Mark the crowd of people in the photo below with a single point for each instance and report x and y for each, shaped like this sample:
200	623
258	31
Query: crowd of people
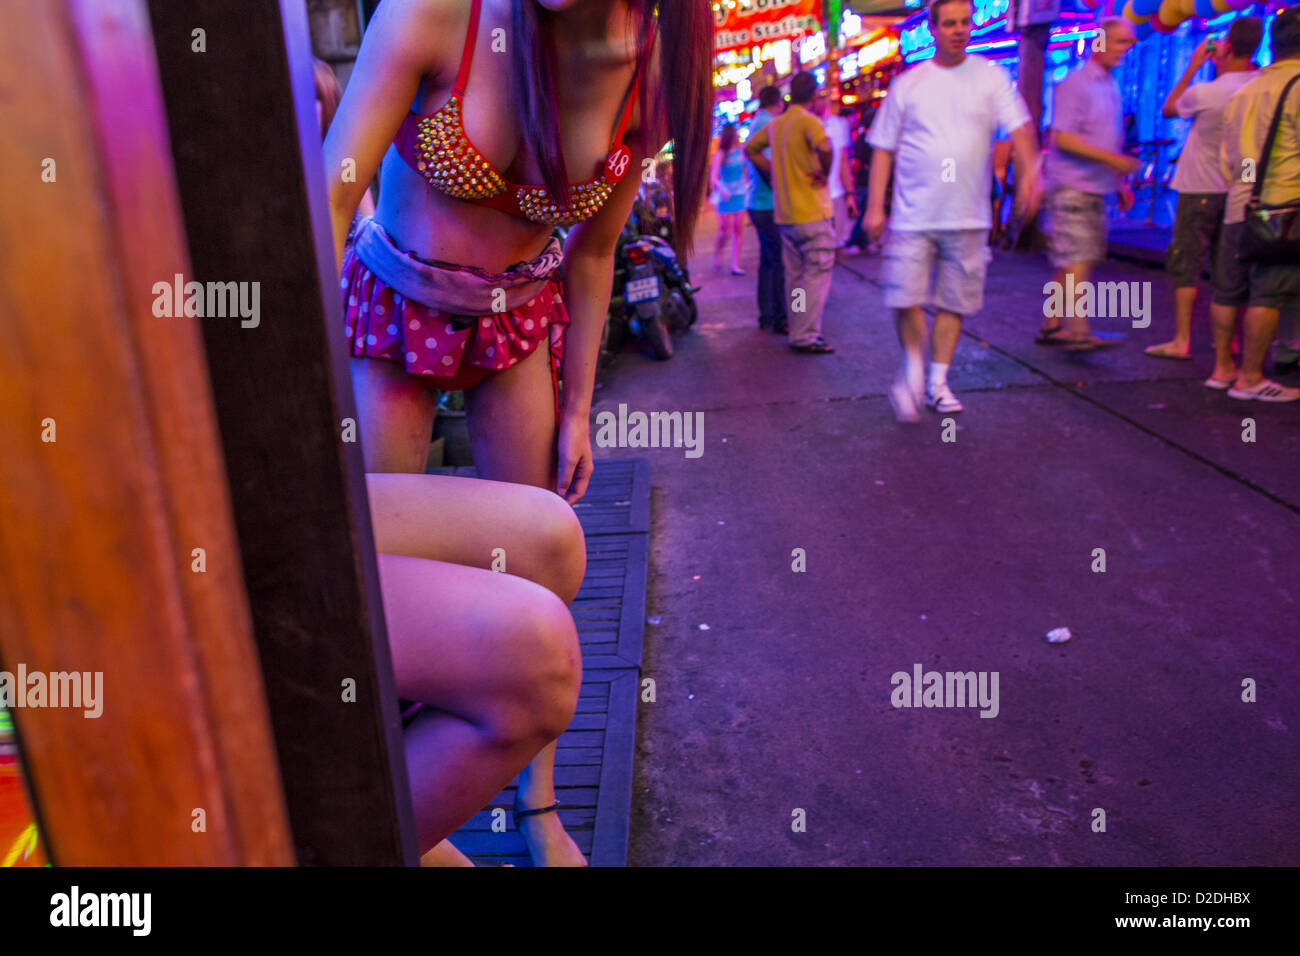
925	173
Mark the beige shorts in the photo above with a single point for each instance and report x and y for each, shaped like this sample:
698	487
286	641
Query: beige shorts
1077	221
958	259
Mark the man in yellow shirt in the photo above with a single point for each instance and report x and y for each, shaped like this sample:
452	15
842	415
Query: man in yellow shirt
798	172
1264	289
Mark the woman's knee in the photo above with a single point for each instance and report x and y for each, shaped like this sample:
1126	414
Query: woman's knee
538	695
556	548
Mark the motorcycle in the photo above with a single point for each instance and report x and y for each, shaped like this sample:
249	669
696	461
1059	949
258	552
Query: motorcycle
652	296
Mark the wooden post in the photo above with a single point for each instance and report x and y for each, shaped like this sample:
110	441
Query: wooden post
240	108
117	550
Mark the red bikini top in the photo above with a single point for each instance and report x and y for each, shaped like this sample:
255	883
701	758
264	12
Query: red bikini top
437	148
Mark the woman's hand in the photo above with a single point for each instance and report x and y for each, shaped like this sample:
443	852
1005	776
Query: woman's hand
575	459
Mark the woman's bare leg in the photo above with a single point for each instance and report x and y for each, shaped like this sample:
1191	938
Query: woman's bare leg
738	232
532	532
512	432
394	416
496	658
465	521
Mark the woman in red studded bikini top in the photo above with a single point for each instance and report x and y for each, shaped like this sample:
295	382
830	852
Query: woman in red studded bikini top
496	120
455	281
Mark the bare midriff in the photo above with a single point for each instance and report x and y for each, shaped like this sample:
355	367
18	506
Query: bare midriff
591	86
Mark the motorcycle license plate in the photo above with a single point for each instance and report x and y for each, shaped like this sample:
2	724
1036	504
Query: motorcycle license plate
642	290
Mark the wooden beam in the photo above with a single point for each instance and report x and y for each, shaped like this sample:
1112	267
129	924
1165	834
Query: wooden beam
249	170
98	525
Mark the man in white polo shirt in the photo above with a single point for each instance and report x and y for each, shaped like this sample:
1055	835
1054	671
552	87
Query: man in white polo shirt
935	133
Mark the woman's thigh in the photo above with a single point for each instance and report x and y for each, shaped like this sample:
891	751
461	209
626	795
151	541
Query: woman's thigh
461	638
512	422
395	416
522	530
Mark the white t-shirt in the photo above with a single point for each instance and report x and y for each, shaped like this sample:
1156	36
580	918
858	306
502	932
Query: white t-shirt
939	122
841	137
1198	164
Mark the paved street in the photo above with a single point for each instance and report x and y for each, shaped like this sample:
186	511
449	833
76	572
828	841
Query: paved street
961	557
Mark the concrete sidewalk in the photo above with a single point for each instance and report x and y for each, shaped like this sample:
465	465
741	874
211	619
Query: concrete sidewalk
773	688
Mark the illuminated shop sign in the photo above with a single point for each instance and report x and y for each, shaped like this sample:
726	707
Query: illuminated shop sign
850	26
740	23
877	50
812	47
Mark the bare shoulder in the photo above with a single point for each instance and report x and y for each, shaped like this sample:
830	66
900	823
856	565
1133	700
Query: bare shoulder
426	35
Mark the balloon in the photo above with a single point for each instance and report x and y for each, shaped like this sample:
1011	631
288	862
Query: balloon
1143	30
1205	8
1220	6
1143	8
1162	25
1132	18
1117	8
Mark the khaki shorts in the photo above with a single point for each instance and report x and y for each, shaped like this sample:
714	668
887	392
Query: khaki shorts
962	257
1077	221
1197	223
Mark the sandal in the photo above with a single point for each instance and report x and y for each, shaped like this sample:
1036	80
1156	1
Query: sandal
1056	336
1164	352
820	347
1090	343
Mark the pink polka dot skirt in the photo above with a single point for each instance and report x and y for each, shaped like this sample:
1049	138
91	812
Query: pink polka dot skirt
454	351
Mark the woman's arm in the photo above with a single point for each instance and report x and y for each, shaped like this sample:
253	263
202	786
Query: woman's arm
715	171
405	41
588	277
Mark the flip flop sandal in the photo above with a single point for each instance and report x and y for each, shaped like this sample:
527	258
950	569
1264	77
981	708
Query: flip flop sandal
1219	385
1092	343
1056	336
1158	351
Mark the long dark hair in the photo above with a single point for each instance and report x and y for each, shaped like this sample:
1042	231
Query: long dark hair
727	138
681	111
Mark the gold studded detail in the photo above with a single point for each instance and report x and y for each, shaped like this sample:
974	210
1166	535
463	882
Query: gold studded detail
448	160
451	164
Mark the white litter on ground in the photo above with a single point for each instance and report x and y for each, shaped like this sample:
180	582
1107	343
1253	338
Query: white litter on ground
1058	635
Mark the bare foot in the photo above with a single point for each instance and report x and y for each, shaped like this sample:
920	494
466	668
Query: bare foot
444	854
548	843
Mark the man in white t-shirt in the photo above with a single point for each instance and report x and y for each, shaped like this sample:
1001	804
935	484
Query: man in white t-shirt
1202	188
935	132
840	179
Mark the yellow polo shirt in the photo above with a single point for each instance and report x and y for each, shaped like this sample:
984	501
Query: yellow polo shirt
794	137
1245	127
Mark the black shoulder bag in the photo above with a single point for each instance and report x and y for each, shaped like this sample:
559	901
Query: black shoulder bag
1272	233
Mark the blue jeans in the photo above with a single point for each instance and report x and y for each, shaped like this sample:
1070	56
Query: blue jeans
858	236
771	271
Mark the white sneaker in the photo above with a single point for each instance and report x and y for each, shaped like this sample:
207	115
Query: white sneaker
1266	391
942	399
906	402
